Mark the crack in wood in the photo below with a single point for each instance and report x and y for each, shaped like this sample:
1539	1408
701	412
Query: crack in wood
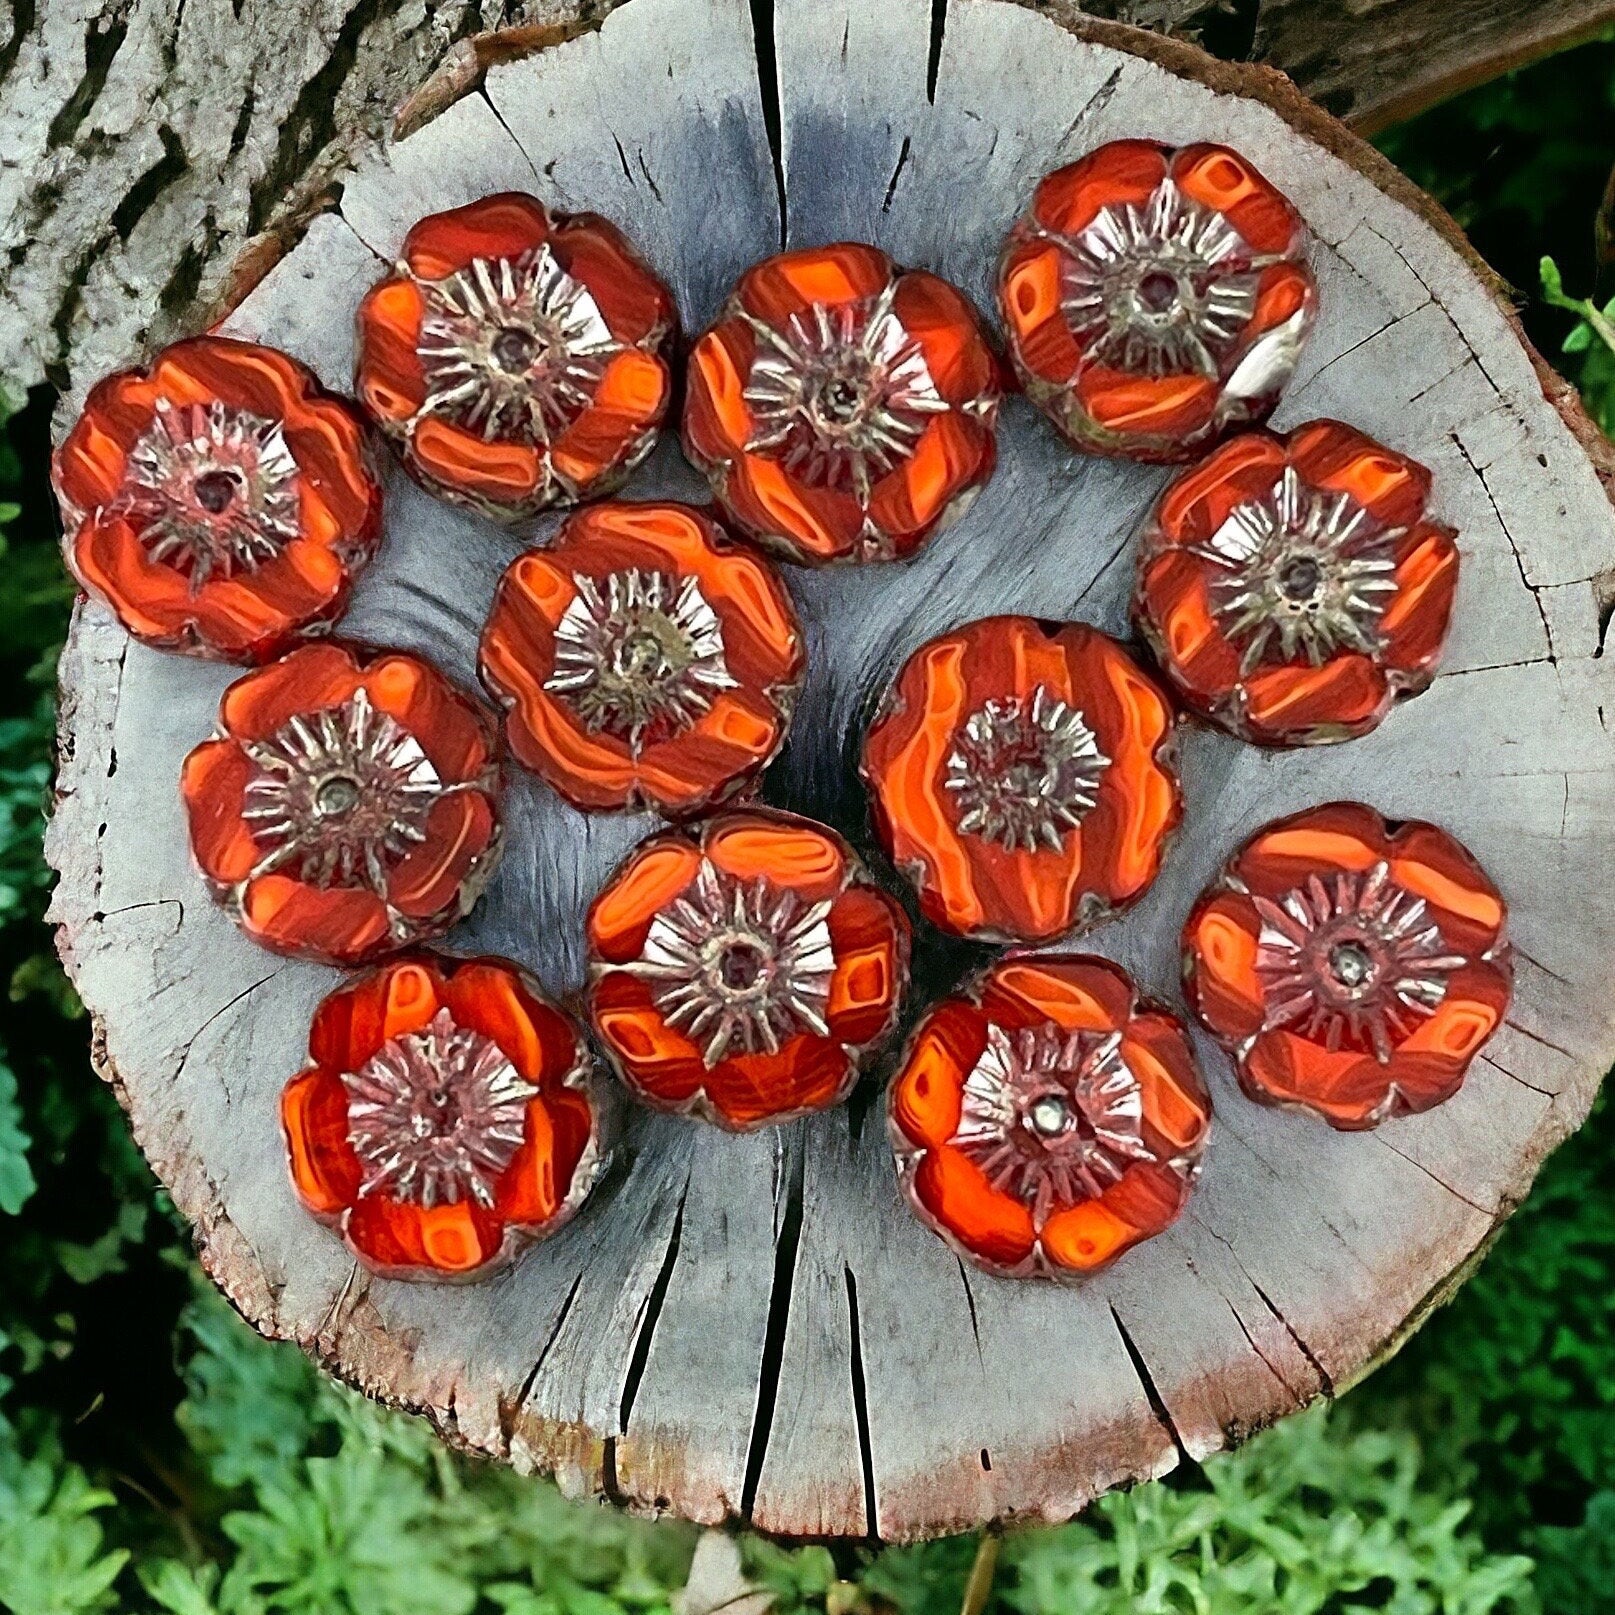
1519	560
902	162
787	1244
1489	1212
860	1407
1267	1362
970	1301
763	46
508	1416
1537	1037
1095	104
933	58
1326	1384
649	1313
1146	1379
1497	1065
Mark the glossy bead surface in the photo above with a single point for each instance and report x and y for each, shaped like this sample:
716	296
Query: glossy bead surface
843	409
348	805
740	969
517	359
1046	1119
1156	298
1021	775
445	1119
1293	589
1351	967
219	501
643	659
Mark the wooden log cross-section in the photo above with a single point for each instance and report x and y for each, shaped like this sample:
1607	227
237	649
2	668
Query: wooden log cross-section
754	1326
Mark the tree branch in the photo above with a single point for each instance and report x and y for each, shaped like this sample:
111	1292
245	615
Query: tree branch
147	144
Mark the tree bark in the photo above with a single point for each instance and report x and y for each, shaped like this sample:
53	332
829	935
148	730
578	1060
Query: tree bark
148	142
755	1327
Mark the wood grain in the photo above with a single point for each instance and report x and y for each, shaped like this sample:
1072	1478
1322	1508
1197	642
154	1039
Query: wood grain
755	1327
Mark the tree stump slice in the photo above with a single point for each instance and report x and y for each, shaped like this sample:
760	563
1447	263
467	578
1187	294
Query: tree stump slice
755	1326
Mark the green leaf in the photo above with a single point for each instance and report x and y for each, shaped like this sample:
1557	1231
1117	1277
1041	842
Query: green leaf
16	1176
180	1588
350	1535
53	1554
1576	1564
1304	1516
250	1407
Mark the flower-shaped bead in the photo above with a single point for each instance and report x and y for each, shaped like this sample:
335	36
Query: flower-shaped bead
519	360
739	969
219	501
1047	1119
843	409
1156	298
347	807
446	1117
643	659
1022	777
1292	588
1350	967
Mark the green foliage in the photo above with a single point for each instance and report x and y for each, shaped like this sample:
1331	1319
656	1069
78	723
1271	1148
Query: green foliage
1319	1516
53	1554
1517	1376
1310	1514
1591	345
317	1503
1521	163
16	1176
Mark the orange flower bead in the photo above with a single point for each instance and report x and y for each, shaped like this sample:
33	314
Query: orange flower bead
446	1117
1156	298
1022	777
1352	968
842	408
1047	1118
519	360
1291	587
643	659
740	969
219	501
347	807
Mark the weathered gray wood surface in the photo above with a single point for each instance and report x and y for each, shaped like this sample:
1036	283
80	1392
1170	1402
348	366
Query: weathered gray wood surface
754	1326
146	141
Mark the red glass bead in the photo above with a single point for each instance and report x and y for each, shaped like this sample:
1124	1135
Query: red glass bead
1047	1118
446	1117
1292	588
1351	967
518	359
348	806
1156	298
643	659
740	968
1022	777
843	409
219	501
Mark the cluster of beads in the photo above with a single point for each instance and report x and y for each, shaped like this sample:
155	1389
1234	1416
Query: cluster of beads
743	963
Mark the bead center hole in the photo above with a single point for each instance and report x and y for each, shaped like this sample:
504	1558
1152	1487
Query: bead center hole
1300	578
641	655
335	796
216	491
1351	964
1049	1115
514	349
741	965
1158	292
839	401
